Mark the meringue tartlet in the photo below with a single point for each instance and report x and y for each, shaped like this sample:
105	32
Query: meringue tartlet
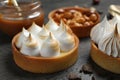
79	19
45	49
105	44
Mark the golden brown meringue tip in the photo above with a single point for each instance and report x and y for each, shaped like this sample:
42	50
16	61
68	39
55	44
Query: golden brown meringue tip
31	42
114	10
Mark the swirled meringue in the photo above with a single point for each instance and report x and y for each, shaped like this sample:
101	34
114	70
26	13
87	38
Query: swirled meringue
98	31
34	29
50	47
107	36
23	36
110	43
31	46
52	25
66	40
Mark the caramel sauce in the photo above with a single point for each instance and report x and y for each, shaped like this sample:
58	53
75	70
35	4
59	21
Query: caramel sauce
12	23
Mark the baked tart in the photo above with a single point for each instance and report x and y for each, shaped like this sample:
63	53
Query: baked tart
79	19
46	49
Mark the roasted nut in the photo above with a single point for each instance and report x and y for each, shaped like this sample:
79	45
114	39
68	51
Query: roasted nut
76	18
76	14
92	10
80	19
64	20
93	17
91	23
68	15
86	17
70	22
57	20
86	24
73	11
78	24
57	16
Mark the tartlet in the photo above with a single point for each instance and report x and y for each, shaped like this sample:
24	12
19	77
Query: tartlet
103	60
105	49
82	24
44	63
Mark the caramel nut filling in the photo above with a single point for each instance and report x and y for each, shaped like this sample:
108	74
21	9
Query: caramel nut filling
75	17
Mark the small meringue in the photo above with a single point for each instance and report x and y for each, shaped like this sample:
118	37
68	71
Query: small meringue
52	25
31	46
44	33
62	26
34	29
24	34
50	47
66	40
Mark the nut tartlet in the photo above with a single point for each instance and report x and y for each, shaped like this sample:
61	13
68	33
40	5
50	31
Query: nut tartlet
45	63
79	19
105	50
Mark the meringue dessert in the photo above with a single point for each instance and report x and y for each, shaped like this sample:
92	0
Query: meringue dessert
79	19
114	10
46	49
105	45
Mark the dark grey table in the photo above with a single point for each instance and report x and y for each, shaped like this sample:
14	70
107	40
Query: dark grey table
9	71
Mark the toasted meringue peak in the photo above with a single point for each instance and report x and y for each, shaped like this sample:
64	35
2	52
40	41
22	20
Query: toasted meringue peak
50	47
44	33
63	26
100	29
52	25
24	34
114	10
31	46
31	42
34	29
61	29
110	44
66	40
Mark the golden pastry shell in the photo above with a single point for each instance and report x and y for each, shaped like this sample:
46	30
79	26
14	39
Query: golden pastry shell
45	65
103	60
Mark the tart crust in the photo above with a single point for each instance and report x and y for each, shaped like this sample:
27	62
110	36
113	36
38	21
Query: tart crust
103	60
45	65
83	31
